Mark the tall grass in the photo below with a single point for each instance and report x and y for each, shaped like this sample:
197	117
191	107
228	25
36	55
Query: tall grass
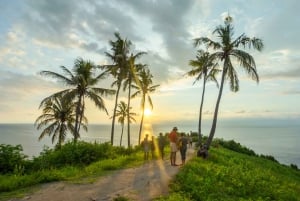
228	175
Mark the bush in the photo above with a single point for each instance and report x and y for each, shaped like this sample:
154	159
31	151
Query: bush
78	154
295	167
11	159
269	157
234	146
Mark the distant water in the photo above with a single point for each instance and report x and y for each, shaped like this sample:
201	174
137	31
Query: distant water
277	138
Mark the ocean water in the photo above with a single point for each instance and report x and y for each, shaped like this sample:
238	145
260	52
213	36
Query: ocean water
279	138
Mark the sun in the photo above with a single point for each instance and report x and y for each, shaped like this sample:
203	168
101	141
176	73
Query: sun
147	112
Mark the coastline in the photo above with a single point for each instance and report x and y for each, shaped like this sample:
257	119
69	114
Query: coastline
267	138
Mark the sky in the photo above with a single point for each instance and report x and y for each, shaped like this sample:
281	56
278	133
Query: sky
38	35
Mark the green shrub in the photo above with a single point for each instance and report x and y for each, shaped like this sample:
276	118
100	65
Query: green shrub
78	154
295	167
235	146
11	159
269	157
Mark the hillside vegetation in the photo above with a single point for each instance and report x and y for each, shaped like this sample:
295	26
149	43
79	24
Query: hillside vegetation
231	172
229	175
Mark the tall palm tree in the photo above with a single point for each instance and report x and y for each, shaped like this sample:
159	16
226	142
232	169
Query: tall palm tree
144	89
58	118
204	67
120	49
121	112
227	50
131	78
82	84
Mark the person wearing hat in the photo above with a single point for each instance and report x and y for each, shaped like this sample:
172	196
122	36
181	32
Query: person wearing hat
173	145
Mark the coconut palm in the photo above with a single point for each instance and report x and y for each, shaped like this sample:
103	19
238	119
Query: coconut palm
120	49
204	67
144	89
57	119
82	84
121	112
131	78
228	50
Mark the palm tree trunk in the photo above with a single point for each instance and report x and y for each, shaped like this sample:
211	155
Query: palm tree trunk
142	120
128	113
200	111
114	115
76	133
214	124
122	134
81	115
141	127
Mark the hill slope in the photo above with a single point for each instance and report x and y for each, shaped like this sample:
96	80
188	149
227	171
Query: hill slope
228	175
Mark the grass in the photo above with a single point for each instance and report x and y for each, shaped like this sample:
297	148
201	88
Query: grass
228	175
18	185
225	175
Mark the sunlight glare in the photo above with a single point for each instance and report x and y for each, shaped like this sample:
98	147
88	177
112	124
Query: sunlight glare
147	112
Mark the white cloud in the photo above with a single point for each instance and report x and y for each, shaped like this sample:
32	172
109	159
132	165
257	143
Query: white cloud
44	35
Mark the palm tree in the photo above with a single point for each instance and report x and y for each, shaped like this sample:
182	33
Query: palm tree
59	117
132	77
226	50
121	112
81	82
144	89
119	56
204	67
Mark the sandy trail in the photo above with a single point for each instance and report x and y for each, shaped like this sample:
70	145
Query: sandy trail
144	183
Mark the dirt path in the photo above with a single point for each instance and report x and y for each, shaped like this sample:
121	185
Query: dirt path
140	183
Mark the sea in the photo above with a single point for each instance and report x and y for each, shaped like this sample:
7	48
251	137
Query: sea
279	138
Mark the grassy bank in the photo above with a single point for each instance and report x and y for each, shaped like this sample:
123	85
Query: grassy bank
229	175
81	162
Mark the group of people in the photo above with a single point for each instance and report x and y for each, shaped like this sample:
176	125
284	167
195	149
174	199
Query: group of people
177	142
148	146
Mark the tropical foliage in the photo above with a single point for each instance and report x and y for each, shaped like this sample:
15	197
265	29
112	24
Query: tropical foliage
82	83
119	56
227	51
121	113
58	118
144	89
204	67
12	160
123	70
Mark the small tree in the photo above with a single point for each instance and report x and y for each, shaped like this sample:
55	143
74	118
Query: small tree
121	112
204	67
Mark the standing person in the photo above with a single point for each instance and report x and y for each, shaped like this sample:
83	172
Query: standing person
161	145
173	145
183	141
146	147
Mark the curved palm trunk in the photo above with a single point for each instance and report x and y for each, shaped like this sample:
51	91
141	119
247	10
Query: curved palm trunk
114	115
60	138
81	115
142	120
200	111
122	134
214	124
76	131
128	113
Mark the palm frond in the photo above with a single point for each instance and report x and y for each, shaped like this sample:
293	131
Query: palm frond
207	42
247	62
